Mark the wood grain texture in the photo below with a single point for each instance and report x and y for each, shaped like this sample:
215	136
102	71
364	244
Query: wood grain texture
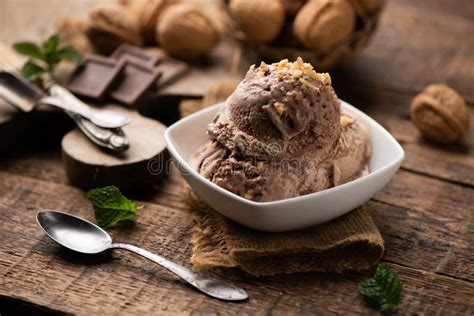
127	284
425	214
88	166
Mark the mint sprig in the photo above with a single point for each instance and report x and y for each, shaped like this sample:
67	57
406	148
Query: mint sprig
382	291
43	59
111	207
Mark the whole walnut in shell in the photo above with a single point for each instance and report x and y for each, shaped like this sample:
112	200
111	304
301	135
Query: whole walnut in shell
150	13
440	114
323	24
110	26
188	31
260	20
293	6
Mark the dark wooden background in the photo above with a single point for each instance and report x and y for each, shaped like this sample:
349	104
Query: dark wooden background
425	214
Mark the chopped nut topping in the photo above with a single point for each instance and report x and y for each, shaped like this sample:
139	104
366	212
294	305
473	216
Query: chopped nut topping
324	78
305	83
280	108
346	121
263	69
283	63
297	69
248	195
297	74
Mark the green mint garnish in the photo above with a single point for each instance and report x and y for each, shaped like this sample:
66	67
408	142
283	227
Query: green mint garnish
44	59
383	290
111	207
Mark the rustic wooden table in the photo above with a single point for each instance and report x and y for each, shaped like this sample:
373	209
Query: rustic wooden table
425	214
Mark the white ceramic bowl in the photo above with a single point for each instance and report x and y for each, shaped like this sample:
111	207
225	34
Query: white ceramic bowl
185	136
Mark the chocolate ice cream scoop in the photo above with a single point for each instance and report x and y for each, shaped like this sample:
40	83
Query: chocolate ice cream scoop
281	135
280	109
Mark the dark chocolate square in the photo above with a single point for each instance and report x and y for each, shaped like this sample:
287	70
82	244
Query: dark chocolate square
95	77
129	52
171	69
137	79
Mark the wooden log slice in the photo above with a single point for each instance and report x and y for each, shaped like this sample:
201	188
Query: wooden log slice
143	164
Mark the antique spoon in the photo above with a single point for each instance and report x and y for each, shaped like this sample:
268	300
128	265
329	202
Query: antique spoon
85	237
25	96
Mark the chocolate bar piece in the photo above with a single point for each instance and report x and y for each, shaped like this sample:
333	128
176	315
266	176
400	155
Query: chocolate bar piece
137	79
95	77
171	70
129	52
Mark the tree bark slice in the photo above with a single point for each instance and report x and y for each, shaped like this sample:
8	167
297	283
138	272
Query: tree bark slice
143	164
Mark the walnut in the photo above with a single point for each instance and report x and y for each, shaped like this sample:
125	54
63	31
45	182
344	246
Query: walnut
346	121
188	31
149	17
260	20
110	26
440	114
293	6
133	7
323	24
72	32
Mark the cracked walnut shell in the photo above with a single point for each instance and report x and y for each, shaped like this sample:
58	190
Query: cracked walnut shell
188	31
440	114
259	20
150	15
110	26
323	24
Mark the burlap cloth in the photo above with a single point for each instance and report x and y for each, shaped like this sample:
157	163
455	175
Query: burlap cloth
350	242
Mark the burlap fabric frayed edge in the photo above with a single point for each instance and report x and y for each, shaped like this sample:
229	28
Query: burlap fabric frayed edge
351	242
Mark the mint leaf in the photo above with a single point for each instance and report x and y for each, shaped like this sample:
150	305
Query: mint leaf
51	44
32	71
68	52
111	207
383	290
48	55
52	59
28	49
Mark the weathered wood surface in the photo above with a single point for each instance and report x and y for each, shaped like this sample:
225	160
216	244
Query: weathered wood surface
425	214
440	264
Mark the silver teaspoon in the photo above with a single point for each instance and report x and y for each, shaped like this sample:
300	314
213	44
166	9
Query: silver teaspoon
25	96
85	237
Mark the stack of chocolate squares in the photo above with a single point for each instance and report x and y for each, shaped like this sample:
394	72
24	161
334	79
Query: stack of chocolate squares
125	76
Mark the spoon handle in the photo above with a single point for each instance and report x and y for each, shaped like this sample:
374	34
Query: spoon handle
211	286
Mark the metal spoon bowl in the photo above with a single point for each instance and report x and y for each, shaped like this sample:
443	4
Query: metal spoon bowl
85	237
25	96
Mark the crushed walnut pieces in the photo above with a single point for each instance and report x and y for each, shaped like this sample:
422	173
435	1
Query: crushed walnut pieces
346	121
298	70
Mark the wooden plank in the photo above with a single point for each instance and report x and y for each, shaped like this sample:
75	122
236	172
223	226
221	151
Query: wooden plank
426	223
425	240
122	283
410	190
392	109
417	44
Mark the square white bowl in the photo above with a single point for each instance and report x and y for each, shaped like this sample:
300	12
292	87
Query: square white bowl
186	136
